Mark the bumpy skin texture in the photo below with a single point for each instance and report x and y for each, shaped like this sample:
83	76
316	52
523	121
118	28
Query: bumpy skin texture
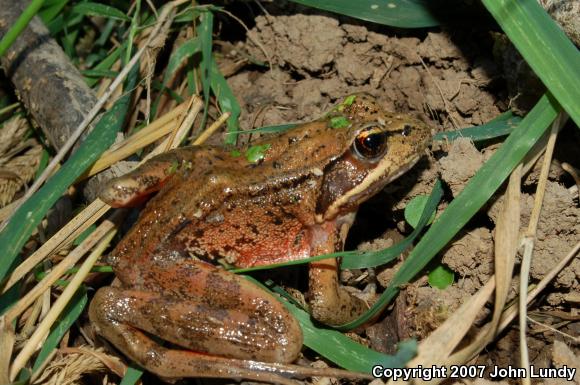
296	201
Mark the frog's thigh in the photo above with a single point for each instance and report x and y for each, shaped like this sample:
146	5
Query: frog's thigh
196	325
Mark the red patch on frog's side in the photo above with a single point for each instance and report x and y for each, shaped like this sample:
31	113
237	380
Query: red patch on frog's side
249	236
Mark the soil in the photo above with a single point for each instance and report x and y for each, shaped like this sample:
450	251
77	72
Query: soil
450	79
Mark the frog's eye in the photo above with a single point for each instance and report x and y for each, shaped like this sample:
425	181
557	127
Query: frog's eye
370	143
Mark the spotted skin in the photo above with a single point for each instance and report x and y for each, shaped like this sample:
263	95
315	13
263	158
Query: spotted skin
214	204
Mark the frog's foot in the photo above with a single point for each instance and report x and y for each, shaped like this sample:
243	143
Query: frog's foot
330	303
133	188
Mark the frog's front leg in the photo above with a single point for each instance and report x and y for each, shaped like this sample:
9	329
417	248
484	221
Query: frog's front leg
226	322
131	189
329	302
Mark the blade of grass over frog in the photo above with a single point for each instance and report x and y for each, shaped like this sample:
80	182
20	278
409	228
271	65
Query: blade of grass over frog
377	258
345	352
502	125
475	194
70	314
337	347
396	13
19	25
226	100
205	33
132	375
102	10
29	215
546	48
360	259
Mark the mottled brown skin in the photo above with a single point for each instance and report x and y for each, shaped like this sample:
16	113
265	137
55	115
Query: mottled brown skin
298	201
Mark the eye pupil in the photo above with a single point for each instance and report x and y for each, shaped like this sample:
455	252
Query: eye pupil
406	130
370	143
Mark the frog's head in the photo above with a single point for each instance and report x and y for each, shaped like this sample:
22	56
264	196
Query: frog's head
378	146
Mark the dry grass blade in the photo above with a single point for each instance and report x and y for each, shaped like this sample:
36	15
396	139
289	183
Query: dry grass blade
58	271
529	240
165	19
439	346
44	327
72	365
506	246
510	313
7	339
436	348
211	129
19	158
144	137
63	237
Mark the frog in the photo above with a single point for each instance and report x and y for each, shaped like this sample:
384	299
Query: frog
177	312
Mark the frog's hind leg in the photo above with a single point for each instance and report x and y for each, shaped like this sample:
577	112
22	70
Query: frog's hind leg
176	363
216	314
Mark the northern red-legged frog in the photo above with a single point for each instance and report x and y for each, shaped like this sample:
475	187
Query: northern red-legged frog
283	198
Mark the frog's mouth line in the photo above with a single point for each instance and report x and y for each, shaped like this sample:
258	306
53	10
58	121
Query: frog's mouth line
374	183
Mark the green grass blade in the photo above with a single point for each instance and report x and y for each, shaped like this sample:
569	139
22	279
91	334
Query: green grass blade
205	33
181	54
337	347
475	194
70	314
98	9
377	258
50	9
104	65
133	28
19	25
132	375
396	13
502	125
552	56
345	352
226	100
178	57
96	73
29	215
